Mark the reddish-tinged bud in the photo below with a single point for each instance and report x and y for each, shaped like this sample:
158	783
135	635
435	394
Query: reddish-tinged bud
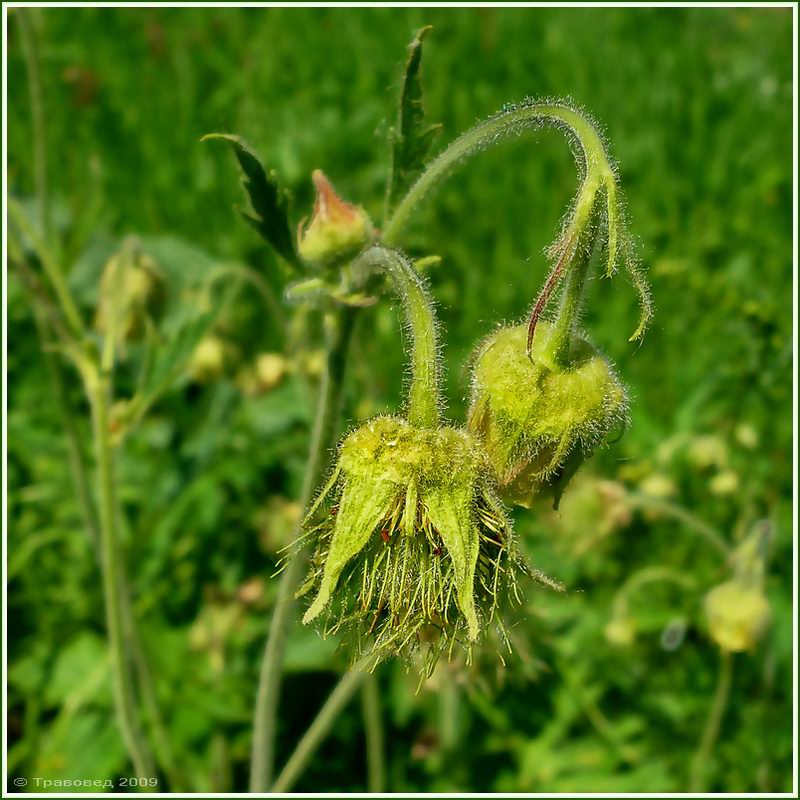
337	228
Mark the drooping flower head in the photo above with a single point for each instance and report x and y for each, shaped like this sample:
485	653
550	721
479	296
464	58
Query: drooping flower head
737	610
543	398
411	544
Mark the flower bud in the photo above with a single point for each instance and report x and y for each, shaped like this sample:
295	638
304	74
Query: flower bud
540	420
413	547
208	360
131	287
337	229
620	631
737	615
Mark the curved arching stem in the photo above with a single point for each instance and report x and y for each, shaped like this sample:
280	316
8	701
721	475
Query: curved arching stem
598	184
590	156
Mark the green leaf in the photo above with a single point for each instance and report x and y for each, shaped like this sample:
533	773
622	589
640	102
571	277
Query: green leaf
270	202
171	358
412	137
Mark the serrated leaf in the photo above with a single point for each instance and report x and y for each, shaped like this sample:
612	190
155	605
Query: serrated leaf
412	137
269	202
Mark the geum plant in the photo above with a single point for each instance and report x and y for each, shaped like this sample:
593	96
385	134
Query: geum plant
407	547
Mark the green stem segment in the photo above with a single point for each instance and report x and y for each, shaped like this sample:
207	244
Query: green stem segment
557	349
424	399
51	268
373	734
323	439
702	756
645	576
686	518
36	97
348	684
99	390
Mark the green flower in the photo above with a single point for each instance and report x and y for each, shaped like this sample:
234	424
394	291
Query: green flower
540	419
411	547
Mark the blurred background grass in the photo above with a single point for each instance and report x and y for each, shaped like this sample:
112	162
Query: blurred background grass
696	104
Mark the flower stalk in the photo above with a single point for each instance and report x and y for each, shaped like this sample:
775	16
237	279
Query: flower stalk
424	395
597	203
98	386
323	438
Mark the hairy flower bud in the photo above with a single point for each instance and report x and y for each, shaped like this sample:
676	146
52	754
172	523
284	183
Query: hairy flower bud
337	229
413	547
539	420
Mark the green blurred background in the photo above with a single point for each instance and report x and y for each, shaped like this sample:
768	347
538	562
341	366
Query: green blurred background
696	105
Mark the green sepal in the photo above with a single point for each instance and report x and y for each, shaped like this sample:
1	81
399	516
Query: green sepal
270	203
451	513
315	290
363	505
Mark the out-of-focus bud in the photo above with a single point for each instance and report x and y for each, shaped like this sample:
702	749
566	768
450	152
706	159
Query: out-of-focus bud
737	615
337	229
725	483
208	360
738	611
709	451
539	421
747	436
277	522
592	511
270	369
659	486
620	631
131	288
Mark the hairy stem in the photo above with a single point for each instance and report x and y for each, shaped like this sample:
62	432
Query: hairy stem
507	124
702	755
99	391
598	184
348	684
373	733
323	439
557	349
424	398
